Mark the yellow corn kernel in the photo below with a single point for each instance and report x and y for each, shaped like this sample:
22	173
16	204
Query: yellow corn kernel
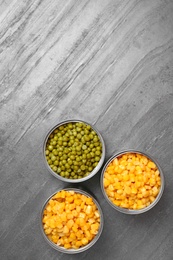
155	191
124	205
138	169
97	214
115	161
48	208
70	223
132	177
127	190
152	198
106	182
79	234
117	186
121	168
120	191
140	206
126	177
89	201
111	187
151	165
72	236
134	206
88	209
117	202
152	181
65	230
110	193
67	245
139	196
134	190
48	231
84	241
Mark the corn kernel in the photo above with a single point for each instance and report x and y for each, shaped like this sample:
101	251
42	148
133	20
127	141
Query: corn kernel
151	165
84	241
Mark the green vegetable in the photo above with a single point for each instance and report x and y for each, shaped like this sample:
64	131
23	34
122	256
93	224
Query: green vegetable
73	150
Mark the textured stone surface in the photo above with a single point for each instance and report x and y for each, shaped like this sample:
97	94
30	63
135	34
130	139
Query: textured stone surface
104	61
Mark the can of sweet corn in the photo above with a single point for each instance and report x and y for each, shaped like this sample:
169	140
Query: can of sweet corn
71	220
132	181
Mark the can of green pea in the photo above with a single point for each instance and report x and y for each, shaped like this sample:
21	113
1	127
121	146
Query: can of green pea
73	151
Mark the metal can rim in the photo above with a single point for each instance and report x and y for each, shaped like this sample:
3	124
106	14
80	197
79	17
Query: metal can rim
131	211
95	170
92	242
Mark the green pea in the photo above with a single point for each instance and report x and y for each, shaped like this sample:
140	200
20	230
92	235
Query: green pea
72	157
55	152
82	132
47	152
76	163
83	167
58	170
83	141
67	174
54	168
79	136
88	156
62	174
90	168
78	148
75	133
70	162
53	158
91	145
50	147
87	138
98	152
86	131
84	147
91	136
60	142
76	167
55	138
49	161
92	154
70	126
63	161
65	138
78	129
56	162
67	166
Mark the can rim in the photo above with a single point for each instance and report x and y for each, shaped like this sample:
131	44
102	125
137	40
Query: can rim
131	211
95	170
92	242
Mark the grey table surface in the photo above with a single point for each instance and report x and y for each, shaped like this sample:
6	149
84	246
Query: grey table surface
110	63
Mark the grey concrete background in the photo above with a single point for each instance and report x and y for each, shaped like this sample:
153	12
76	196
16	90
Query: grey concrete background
109	63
